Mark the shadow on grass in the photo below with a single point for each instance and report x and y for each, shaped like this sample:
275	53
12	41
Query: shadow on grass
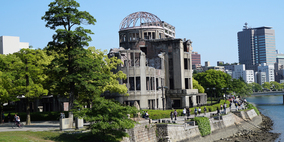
80	137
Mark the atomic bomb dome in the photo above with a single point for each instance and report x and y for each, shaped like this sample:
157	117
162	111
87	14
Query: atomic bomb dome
143	26
139	19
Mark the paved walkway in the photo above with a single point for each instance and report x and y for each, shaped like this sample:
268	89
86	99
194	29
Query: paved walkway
54	125
35	126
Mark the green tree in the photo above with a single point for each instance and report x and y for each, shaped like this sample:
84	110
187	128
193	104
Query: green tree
196	85
241	88
256	87
275	85
29	81
109	117
68	42
266	85
214	79
9	67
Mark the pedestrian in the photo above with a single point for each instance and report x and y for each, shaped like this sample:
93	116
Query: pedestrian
184	112
172	115
188	112
230	105
199	110
225	106
195	111
175	114
9	117
218	111
221	107
236	104
205	110
147	115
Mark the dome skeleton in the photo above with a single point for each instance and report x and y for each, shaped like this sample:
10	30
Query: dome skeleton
132	19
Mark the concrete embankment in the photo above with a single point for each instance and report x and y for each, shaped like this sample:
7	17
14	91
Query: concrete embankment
227	126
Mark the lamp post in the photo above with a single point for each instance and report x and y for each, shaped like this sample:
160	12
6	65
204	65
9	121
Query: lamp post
162	87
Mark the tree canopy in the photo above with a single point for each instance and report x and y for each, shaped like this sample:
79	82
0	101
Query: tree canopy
69	43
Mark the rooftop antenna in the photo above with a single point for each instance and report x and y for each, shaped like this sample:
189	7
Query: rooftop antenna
246	25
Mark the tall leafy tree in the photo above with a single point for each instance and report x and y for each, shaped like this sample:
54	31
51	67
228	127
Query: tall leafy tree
275	85
29	82
9	68
109	117
68	42
196	85
213	79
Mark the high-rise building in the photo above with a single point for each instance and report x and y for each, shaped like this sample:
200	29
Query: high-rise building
256	46
195	58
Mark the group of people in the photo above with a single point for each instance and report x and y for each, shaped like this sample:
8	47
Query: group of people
186	112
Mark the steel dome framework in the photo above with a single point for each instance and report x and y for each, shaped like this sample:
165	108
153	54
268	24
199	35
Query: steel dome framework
143	17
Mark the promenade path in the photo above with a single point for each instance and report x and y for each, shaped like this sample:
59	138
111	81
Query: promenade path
35	126
54	125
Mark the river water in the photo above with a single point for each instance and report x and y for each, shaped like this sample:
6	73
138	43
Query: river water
271	106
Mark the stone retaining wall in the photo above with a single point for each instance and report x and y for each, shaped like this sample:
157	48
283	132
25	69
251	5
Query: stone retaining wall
227	126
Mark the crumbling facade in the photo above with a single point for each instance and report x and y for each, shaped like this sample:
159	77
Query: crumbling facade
158	66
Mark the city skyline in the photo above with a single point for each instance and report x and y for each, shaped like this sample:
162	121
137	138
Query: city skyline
211	26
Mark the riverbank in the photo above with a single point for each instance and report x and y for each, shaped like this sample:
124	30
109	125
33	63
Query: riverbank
260	135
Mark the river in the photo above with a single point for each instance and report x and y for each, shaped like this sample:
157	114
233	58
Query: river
271	106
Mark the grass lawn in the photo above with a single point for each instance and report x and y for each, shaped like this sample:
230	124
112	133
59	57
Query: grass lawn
44	136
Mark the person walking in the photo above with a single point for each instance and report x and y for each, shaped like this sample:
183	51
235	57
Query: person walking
188	112
172	115
175	114
195	111
230	105
184	112
225	106
199	110
221	107
218	111
205	110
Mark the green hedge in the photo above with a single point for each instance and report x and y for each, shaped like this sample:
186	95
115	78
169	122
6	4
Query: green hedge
158	114
38	116
251	106
203	125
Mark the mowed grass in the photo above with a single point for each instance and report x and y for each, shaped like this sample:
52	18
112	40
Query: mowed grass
43	136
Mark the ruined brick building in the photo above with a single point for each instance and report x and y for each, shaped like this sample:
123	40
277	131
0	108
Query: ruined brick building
158	65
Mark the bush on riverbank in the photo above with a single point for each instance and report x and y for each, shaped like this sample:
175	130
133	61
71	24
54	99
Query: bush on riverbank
203	125
251	106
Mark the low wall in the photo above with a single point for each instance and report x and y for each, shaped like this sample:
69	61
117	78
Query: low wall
226	127
143	132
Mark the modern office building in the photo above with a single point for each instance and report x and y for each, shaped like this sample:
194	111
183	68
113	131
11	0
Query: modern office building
256	46
269	71
11	44
239	71
158	65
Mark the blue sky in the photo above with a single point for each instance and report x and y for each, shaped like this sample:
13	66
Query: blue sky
212	26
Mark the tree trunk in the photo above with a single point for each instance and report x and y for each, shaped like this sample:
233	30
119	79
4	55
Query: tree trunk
1	109
28	120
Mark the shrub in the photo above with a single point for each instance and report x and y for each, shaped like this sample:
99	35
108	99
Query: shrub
203	125
251	106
